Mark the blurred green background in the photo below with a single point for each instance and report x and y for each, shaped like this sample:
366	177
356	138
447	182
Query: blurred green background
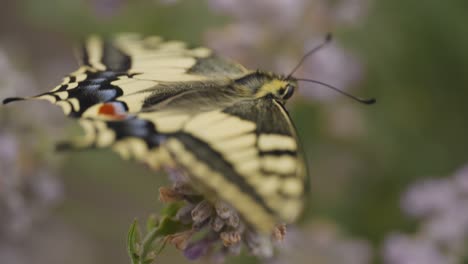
412	57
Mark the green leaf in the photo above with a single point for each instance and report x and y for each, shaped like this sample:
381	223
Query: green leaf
132	240
152	222
169	226
157	229
171	209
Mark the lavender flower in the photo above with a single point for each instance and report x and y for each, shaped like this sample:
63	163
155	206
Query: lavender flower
401	249
107	8
222	230
442	206
429	197
350	12
29	186
197	250
461	180
322	243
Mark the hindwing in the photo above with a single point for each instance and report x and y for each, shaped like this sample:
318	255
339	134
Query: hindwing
238	155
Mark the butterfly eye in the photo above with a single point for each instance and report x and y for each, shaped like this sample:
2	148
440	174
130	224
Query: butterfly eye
287	92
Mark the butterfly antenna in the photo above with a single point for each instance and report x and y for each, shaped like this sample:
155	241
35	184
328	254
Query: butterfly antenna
328	39
360	100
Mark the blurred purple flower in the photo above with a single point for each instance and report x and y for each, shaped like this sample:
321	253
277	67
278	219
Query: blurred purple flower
29	186
461	180
266	11
322	243
26	194
442	206
222	229
449	227
199	248
107	8
351	12
429	197
401	249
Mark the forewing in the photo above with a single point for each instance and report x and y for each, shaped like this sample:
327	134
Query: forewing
133	72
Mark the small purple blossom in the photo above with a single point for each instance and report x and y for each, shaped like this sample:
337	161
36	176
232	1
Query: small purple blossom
199	248
442	206
323	243
401	249
222	229
107	8
429	197
351	12
461	180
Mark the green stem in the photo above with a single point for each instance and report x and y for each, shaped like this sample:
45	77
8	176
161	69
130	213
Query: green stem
131	241
146	245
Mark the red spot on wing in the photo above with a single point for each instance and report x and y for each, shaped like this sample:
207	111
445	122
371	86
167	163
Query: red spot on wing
111	110
107	109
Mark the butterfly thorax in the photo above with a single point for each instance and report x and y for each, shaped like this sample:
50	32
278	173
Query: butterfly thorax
261	84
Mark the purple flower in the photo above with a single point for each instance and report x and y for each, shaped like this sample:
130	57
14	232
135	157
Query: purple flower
321	242
198	249
442	206
461	180
429	197
401	249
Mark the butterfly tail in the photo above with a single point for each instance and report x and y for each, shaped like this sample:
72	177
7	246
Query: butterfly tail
13	99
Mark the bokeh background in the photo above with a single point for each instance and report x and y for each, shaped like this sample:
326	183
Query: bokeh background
389	183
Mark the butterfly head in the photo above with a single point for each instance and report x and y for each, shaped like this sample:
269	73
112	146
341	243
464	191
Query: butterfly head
281	88
261	84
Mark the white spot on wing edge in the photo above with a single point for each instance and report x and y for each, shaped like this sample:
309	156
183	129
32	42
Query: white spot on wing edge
66	107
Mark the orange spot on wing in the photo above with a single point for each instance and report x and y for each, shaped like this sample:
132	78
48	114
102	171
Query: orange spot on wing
110	110
107	109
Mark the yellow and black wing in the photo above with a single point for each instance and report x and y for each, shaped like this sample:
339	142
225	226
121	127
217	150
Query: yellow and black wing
168	105
136	72
246	154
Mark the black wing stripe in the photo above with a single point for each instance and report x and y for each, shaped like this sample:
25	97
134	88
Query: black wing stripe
216	162
84	54
114	59
278	153
137	128
96	50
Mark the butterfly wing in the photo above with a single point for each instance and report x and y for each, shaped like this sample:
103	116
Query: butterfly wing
133	72
167	105
248	155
